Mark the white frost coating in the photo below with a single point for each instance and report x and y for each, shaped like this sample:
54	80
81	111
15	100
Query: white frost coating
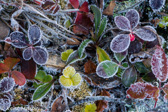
43	51
122	23
121	56
150	27
25	53
153	4
133	17
120	43
109	64
6	84
5	104
40	36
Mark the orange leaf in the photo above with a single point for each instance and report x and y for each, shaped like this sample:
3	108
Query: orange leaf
18	77
90	67
8	64
58	105
110	8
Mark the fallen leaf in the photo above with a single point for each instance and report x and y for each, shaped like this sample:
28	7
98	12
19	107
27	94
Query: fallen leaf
19	78
109	10
69	42
19	102
102	104
4	30
58	105
90	67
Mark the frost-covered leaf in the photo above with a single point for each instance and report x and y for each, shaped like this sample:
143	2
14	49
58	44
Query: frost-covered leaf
165	89
58	105
74	3
6	84
18	39
120	56
27	53
90	107
65	54
34	34
5	101
84	7
129	76
97	16
82	47
8	64
41	76
90	67
146	34
141	67
156	5
102	26
42	90
107	69
122	23
40	55
73	57
133	17
18	77
120	43
159	64
28	68
149	77
142	90
101	54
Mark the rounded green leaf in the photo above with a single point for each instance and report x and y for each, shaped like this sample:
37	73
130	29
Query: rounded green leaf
65	54
120	56
41	76
42	90
107	69
76	79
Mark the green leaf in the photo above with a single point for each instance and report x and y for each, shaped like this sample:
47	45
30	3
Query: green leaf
102	26
73	57
36	85
122	69
42	91
129	76
141	67
107	69
82	47
67	23
102	55
149	77
65	54
41	76
97	16
120	56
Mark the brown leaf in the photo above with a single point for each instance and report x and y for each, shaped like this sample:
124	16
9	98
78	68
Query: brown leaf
58	105
110	8
90	67
4	30
19	102
77	42
101	104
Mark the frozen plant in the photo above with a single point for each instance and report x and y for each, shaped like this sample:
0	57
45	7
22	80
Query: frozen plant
128	23
38	53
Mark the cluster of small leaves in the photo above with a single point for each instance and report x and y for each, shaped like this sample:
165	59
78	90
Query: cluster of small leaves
128	23
18	40
159	68
6	85
70	78
44	86
90	108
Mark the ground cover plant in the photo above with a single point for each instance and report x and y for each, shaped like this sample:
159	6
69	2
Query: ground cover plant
83	55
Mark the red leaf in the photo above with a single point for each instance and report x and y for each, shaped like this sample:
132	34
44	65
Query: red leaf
8	64
159	64
84	7
19	78
143	90
90	67
28	68
83	23
74	3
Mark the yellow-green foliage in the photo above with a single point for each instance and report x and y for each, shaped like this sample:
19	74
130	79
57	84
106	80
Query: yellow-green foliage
65	54
90	108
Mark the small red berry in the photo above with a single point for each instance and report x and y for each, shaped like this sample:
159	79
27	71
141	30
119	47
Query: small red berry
132	37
